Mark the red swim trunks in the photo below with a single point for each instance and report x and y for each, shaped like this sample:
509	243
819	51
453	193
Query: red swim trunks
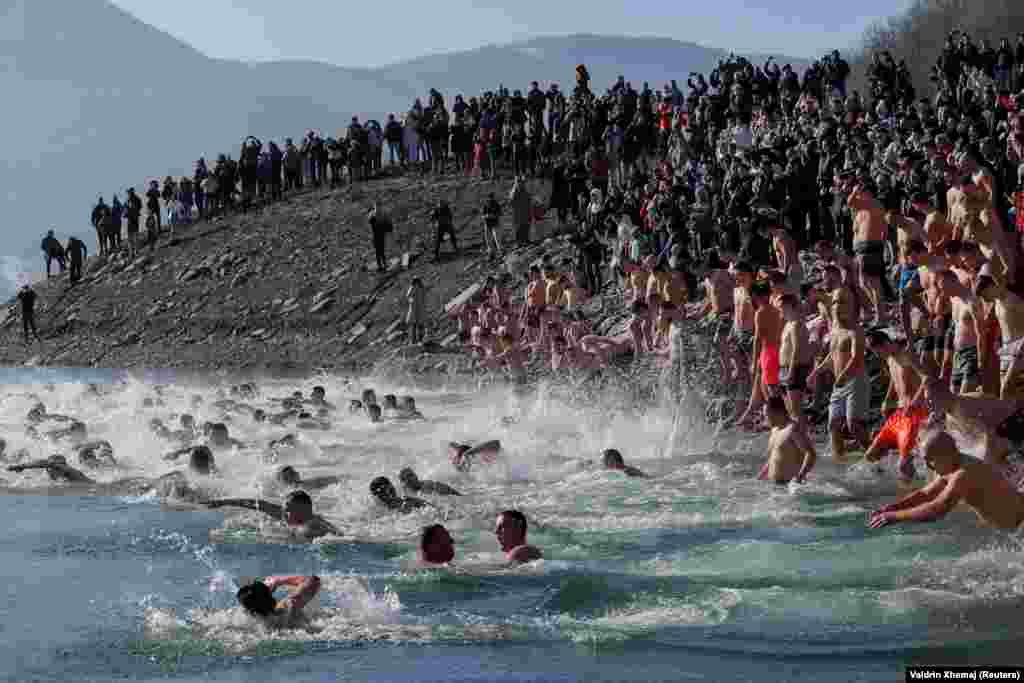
900	431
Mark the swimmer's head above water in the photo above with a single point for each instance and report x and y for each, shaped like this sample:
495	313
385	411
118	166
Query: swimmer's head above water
318	395
298	508
200	460
288	475
257	599
409	479
355	406
373	411
390	402
369	396
384	491
612	459
436	545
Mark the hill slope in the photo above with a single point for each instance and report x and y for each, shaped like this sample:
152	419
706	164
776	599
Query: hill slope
290	286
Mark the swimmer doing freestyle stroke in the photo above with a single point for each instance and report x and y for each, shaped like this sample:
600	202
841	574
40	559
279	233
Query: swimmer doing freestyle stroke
296	514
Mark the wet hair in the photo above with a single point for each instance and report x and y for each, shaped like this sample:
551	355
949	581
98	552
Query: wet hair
383	490
298	499
305	415
516	515
373	411
776	404
288	475
257	599
369	396
200	459
390	401
319	391
611	458
427	534
409	479
219	430
355	405
409	403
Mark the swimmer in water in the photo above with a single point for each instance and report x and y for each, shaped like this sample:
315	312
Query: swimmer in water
436	546
217	436
984	488
96	454
318	398
791	454
463	456
511	532
289	476
200	458
611	459
355	406
296	513
390	406
384	491
413	483
369	396
373	413
407	409
258	599
57	468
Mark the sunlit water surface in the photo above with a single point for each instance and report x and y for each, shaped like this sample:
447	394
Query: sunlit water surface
697	573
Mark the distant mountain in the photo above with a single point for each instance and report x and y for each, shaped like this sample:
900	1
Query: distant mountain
96	100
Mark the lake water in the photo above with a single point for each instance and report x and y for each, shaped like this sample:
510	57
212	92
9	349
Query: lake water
700	573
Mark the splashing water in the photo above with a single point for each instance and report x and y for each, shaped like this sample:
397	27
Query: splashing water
699	555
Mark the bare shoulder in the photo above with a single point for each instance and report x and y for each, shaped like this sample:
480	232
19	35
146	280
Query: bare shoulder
525	553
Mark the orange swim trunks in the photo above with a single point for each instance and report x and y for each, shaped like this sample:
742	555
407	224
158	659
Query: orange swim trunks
901	429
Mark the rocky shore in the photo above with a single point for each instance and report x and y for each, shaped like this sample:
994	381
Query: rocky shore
290	287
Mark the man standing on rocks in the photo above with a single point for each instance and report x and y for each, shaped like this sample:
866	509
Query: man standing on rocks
492	216
77	253
27	299
133	210
54	252
521	200
442	216
381	225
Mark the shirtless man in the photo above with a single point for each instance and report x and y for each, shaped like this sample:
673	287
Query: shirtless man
509	354
791	454
413	483
765	355
968	331
611	459
851	392
717	311
796	358
906	383
787	256
384	492
258	599
463	456
1009	311
740	344
511	532
633	339
869	234
289	476
296	514
931	346
937	228
961	478
566	357
996	244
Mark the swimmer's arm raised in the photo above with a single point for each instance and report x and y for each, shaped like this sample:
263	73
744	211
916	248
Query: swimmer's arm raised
250	504
309	586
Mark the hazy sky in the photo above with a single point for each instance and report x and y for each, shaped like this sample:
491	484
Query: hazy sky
363	33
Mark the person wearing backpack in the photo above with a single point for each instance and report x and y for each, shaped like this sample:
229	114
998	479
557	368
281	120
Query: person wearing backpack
380	225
